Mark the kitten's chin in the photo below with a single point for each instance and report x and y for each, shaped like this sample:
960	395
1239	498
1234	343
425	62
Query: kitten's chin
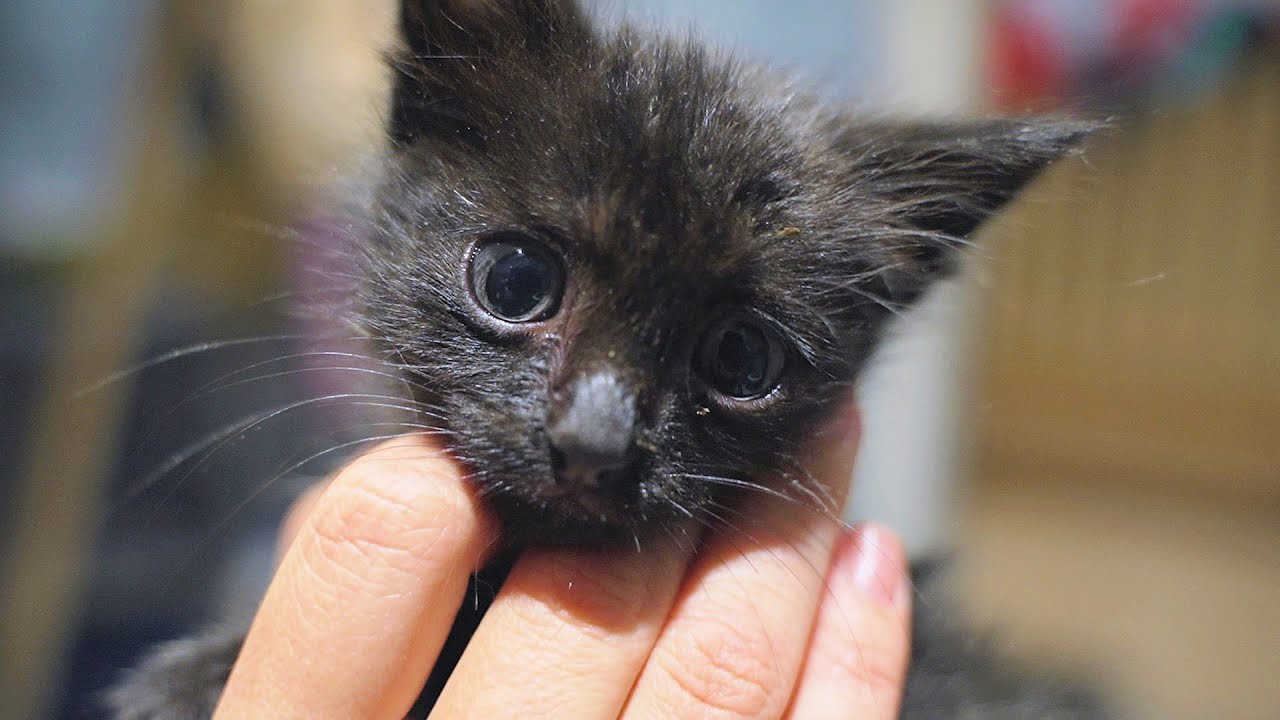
583	519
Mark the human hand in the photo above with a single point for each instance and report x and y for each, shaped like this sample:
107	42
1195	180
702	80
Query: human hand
786	614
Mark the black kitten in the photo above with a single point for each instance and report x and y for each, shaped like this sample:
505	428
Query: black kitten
626	274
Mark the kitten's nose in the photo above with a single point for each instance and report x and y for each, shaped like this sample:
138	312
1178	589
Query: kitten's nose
590	427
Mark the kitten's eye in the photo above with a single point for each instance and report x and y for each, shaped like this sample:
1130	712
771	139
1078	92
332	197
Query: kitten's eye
741	358
517	280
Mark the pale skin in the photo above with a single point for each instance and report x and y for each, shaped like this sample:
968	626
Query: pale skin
791	616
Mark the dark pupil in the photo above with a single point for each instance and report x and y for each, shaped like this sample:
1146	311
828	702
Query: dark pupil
741	361
518	283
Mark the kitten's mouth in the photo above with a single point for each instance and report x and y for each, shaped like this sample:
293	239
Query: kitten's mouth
571	508
590	491
591	502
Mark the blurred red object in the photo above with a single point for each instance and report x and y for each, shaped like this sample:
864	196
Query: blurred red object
1027	65
1043	53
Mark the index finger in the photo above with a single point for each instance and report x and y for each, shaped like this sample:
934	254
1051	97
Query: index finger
366	593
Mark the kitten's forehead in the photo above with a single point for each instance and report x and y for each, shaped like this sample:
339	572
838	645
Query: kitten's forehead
661	159
670	185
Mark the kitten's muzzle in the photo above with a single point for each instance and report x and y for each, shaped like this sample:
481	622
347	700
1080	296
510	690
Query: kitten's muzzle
590	427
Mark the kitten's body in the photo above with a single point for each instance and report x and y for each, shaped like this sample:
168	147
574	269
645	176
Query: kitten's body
725	251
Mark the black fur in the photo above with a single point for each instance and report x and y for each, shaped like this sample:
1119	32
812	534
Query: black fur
180	680
678	185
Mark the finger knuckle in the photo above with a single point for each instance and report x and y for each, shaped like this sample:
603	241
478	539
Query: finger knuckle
389	517
876	668
725	666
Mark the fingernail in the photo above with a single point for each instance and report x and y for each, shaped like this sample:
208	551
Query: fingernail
879	566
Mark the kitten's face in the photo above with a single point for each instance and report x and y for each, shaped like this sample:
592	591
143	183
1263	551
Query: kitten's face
627	276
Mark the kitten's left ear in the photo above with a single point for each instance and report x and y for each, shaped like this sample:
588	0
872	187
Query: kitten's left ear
941	180
463	60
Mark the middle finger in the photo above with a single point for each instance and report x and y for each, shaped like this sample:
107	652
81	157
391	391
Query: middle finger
567	634
738	633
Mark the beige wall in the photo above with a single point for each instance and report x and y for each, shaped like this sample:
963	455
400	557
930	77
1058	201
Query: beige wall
1124	512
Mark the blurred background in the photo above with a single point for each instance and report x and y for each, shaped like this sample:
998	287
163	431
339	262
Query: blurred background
1088	420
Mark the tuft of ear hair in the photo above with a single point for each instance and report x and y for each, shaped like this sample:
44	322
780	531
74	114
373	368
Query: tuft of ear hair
452	48
939	181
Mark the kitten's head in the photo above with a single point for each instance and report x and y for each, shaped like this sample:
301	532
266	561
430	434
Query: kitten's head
628	274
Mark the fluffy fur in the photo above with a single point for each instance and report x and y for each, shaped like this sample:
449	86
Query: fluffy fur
679	186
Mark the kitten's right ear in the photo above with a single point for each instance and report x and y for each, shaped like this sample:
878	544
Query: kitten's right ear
939	181
460	59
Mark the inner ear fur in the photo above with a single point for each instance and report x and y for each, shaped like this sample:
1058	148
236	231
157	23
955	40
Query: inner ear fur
940	181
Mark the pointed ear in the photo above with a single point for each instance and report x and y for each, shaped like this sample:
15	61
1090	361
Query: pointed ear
460	56
940	181
949	177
